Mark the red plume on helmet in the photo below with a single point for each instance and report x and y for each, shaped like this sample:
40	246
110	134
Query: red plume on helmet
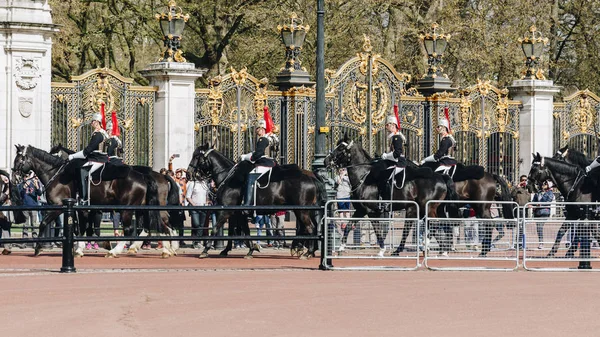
447	116
103	115
268	120
115	125
397	115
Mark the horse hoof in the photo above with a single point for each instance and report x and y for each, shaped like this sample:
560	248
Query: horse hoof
131	251
304	257
37	252
165	255
223	253
249	257
256	247
6	252
78	255
173	252
203	255
395	253
110	255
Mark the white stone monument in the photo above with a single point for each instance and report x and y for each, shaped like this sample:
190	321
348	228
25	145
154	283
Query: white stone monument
536	133
174	111
25	107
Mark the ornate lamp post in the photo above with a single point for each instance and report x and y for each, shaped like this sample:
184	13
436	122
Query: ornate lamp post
435	45
533	44
292	36
172	23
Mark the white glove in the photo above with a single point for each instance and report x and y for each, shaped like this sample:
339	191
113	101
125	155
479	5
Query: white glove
422	161
387	156
70	157
429	159
246	156
588	169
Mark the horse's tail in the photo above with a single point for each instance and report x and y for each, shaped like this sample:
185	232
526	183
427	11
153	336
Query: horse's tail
153	216
507	209
173	200
451	208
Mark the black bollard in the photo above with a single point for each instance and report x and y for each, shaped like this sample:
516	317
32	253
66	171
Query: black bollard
68	260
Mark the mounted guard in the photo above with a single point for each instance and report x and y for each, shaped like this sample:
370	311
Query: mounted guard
114	146
263	163
395	162
447	145
94	152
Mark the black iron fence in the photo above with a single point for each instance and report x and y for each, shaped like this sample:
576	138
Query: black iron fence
70	221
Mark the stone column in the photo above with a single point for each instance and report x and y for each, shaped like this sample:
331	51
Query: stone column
26	32
536	130
174	111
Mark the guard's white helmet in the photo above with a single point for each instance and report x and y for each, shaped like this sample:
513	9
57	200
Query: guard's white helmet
391	119
444	122
96	117
261	124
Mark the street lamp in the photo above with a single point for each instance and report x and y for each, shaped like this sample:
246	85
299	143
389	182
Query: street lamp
172	23
533	44
435	45
293	37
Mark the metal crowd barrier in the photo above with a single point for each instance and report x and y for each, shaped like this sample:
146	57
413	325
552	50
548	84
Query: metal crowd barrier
70	221
460	243
363	251
557	244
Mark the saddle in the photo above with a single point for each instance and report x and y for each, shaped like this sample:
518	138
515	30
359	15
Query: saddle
280	173
463	172
114	169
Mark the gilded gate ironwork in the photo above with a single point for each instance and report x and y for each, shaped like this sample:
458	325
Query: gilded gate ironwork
366	88
74	103
485	124
576	122
227	112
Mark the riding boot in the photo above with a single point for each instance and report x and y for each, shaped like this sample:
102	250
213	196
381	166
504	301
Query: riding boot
85	172
249	199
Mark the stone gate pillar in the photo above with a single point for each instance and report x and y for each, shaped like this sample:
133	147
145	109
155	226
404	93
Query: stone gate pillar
174	111
25	105
536	120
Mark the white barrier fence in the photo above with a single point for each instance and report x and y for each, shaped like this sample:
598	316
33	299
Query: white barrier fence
371	243
567	241
472	243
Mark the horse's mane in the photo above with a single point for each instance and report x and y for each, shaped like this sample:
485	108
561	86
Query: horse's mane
45	156
578	158
562	167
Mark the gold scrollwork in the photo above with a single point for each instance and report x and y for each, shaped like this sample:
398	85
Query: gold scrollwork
410	117
60	97
239	77
128	123
502	116
583	116
102	92
465	112
484	87
566	134
260	97
76	122
366	56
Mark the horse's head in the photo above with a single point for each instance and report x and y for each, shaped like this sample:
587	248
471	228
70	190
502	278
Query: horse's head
22	163
199	167
538	173
340	156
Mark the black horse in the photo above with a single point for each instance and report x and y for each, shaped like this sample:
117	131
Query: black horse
420	186
571	181
285	185
474	184
168	193
57	176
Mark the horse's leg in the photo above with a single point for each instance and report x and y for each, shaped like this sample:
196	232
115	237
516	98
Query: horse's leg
411	213
230	232
48	218
485	227
561	232
309	229
126	217
251	245
222	217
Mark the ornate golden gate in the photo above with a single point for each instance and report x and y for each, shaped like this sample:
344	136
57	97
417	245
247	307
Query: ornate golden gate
366	88
227	112
485	125
74	103
576	123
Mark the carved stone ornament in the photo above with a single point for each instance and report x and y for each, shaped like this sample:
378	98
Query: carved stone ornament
25	106
27	73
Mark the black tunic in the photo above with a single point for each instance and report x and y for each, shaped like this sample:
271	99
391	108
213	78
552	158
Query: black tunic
397	149
92	151
443	153
258	156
